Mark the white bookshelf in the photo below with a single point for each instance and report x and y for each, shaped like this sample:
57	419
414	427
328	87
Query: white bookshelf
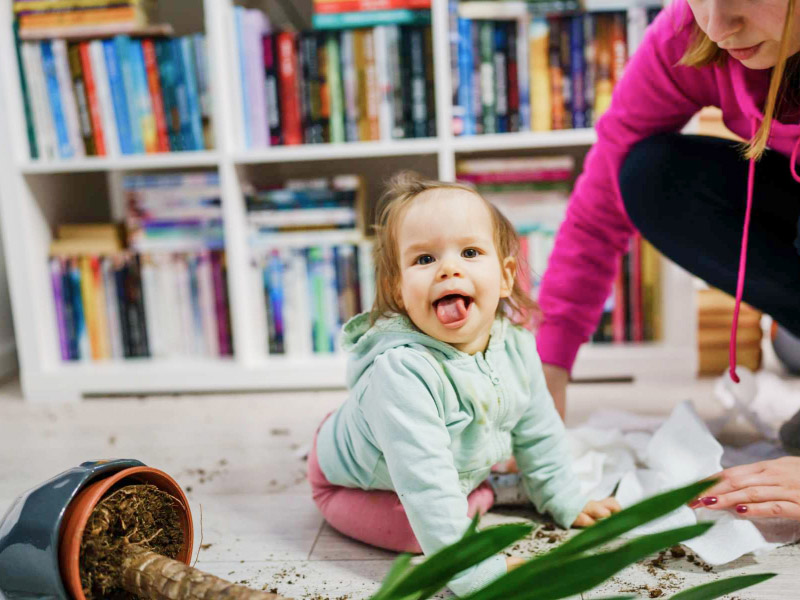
34	195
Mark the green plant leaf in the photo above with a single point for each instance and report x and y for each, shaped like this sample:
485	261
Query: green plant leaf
628	519
570	575
715	589
439	568
399	568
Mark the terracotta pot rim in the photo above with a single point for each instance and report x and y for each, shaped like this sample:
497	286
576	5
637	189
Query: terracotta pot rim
77	516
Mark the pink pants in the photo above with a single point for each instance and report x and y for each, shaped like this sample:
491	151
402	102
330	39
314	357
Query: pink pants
375	517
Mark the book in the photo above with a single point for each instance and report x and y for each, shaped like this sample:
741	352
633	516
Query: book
43	116
123	56
156	96
339	6
194	124
354	20
65	149
488	100
83	76
33	146
540	77
289	89
143	100
108	118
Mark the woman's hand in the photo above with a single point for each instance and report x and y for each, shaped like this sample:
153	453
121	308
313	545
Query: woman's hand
596	510
557	379
765	489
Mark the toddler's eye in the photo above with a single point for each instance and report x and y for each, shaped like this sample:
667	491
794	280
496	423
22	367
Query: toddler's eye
425	259
470	253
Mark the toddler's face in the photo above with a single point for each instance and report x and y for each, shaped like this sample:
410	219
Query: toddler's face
452	279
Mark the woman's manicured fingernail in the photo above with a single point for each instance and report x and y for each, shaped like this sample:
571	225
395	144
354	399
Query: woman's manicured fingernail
741	509
709	500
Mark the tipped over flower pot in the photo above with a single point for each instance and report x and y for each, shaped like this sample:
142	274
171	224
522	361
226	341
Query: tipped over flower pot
106	529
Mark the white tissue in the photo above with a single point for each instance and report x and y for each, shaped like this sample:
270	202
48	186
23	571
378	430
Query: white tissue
620	448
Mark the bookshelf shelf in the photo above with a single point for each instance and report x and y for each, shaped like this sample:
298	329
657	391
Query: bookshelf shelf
317	152
30	207
141	162
526	140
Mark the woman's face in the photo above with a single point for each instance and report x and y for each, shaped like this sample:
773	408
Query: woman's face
749	30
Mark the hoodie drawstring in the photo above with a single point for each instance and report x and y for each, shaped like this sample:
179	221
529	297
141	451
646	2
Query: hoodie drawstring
743	257
792	165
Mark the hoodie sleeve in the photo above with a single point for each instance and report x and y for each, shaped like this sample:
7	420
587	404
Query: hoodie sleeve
541	448
655	95
402	408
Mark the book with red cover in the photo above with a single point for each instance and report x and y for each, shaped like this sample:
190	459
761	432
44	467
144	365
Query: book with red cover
618	313
289	90
635	292
151	68
94	101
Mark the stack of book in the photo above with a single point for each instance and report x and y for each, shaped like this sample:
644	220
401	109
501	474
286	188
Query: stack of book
532	192
65	17
312	268
339	85
175	212
115	96
165	294
714	318
540	66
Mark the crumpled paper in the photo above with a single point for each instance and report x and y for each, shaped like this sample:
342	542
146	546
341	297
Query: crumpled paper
643	456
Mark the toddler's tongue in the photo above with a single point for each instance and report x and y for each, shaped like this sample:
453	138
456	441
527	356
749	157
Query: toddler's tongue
451	309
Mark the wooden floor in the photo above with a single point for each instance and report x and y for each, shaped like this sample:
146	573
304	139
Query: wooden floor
239	457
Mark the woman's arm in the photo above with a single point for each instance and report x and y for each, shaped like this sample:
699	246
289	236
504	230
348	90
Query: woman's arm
654	96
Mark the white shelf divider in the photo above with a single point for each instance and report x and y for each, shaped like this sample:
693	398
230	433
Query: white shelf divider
26	232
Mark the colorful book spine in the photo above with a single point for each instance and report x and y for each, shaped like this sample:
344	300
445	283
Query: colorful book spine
108	118
33	146
465	68
334	77
289	89
488	99
167	73
501	89
578	72
65	149
144	103
255	26
339	6
43	116
417	83
273	97
195	125
355	20
67	95
82	99
524	74
512	79
239	23
58	299
349	86
156	96
84	66
125	66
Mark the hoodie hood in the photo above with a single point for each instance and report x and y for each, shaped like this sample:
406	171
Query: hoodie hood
364	342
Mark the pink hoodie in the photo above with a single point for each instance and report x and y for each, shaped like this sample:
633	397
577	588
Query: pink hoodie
654	96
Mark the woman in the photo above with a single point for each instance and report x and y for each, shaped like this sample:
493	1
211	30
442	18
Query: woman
701	201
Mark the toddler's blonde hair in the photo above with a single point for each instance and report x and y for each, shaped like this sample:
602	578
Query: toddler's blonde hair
400	192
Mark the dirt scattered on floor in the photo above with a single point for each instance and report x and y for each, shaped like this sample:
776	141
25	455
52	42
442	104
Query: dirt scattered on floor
279	431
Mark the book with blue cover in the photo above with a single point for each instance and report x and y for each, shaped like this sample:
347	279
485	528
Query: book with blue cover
144	105
167	76
59	118
192	93
122	49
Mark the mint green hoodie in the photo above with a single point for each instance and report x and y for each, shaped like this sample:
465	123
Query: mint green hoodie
428	421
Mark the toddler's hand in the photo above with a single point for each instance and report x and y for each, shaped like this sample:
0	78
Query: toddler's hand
596	510
512	562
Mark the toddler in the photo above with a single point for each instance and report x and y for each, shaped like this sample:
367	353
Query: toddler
442	386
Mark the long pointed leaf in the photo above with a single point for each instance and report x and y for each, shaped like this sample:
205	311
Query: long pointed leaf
715	589
628	519
399	568
573	575
441	567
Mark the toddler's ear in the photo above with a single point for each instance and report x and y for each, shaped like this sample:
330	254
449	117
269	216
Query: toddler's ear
508	272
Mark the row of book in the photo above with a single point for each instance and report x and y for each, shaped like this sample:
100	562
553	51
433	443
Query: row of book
173	212
67	15
532	192
152	305
514	71
371	83
306	205
308	292
352	6
115	96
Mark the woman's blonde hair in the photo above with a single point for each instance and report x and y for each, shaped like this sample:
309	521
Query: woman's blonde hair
400	192
702	51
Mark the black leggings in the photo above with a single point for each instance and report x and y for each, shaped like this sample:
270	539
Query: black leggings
687	195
